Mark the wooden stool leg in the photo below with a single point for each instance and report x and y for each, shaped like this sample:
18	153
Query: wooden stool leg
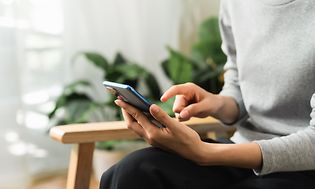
80	167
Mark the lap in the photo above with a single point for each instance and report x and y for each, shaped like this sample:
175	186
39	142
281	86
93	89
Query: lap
155	168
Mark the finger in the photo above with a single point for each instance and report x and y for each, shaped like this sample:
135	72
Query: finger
136	127
162	116
185	114
188	112
133	124
181	119
127	117
179	104
177	116
135	113
175	90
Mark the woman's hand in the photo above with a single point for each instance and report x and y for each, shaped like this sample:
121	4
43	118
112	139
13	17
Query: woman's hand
193	101
176	137
184	141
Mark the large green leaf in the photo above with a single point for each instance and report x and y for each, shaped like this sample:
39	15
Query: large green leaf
205	65
60	102
164	65
98	60
209	30
118	72
72	87
69	93
64	100
77	111
209	42
209	78
119	59
178	67
129	71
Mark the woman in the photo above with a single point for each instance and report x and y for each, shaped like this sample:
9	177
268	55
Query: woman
269	86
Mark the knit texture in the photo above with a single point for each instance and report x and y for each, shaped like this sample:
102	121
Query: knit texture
270	73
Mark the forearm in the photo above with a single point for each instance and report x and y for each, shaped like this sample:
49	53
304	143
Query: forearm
235	155
294	152
227	109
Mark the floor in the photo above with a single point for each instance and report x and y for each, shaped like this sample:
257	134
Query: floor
58	182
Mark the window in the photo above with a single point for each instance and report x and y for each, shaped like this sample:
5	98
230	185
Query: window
32	73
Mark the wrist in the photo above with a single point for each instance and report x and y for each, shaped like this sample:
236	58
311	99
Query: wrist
227	109
219	105
208	154
235	155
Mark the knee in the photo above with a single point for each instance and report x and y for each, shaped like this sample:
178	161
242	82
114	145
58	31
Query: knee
134	168
136	161
106	178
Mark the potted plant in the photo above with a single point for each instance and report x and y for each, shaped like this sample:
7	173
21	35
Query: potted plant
204	66
75	104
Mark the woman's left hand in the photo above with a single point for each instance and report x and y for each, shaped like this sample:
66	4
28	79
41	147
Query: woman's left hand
175	137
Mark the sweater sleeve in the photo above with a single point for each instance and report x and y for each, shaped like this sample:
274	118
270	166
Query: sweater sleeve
231	86
293	152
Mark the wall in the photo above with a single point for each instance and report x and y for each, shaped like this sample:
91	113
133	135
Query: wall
139	29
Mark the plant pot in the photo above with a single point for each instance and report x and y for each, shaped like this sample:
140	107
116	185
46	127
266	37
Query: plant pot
104	159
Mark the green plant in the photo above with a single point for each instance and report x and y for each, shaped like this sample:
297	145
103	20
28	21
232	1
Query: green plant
204	66
75	105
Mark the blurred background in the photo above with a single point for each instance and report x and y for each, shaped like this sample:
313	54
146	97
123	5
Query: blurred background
54	55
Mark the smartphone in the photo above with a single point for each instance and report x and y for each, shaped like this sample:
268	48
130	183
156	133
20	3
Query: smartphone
132	97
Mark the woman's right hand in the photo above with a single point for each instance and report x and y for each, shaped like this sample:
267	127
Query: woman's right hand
192	101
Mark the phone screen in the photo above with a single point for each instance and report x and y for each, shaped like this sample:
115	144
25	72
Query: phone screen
128	94
132	97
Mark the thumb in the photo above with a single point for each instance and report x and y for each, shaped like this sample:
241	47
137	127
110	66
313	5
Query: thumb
161	116
188	112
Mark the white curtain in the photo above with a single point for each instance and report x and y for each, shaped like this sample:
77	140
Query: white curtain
140	29
30	50
13	167
193	13
38	38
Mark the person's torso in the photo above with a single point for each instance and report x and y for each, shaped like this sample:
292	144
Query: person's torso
275	45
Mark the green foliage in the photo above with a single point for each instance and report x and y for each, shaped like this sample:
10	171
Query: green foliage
108	145
205	65
178	67
75	105
97	59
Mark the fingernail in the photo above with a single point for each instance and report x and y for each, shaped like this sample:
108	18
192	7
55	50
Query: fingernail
177	115
155	108
184	114
116	102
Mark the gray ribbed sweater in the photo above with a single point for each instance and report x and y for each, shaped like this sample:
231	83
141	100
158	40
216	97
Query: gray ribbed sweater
271	73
